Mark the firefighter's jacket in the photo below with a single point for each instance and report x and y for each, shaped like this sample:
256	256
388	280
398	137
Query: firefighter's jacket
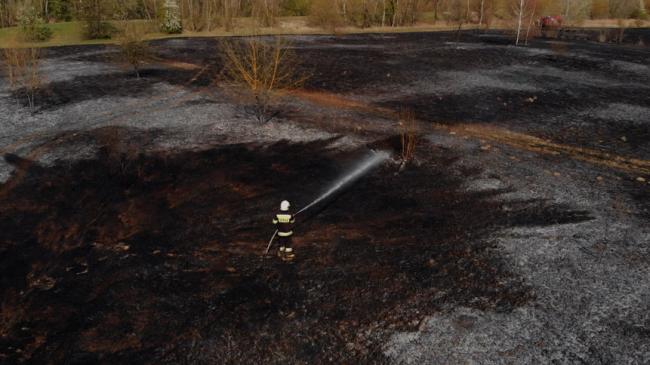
284	221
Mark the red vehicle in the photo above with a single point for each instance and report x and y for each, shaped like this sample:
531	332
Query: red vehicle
550	22
550	26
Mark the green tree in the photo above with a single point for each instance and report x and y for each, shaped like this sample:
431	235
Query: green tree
61	9
295	7
95	14
171	18
32	26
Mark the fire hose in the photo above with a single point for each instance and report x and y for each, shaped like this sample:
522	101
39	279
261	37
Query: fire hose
361	169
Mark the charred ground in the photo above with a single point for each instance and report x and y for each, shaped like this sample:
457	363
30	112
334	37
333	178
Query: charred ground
114	258
134	252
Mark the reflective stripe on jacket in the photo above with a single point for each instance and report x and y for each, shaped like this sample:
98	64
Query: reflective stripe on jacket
285	222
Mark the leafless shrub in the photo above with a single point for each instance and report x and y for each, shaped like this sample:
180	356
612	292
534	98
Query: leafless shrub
523	11
22	67
207	15
457	14
621	30
407	126
265	12
121	150
261	68
322	14
134	50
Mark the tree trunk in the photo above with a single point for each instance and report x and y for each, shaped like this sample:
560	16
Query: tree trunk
395	10
435	10
530	21
566	12
480	19
227	15
521	13
642	8
146	12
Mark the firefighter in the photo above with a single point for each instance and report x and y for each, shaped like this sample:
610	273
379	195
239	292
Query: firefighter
284	221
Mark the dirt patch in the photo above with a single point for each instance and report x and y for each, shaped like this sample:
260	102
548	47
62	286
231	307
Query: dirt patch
496	134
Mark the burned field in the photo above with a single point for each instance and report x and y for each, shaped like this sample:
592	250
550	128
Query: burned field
167	248
134	213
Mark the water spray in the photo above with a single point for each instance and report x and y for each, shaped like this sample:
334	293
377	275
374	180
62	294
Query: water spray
358	171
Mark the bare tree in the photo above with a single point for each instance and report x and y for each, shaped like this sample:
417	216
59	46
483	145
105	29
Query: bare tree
482	12
622	26
456	13
9	12
22	67
134	50
230	9
206	15
265	12
531	16
261	67
520	13
523	10
407	127
323	14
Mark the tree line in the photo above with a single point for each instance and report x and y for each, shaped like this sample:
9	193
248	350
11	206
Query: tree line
205	15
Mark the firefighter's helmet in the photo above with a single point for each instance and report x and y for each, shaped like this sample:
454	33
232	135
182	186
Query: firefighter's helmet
284	206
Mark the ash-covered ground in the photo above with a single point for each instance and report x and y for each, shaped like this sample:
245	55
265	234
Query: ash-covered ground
134	212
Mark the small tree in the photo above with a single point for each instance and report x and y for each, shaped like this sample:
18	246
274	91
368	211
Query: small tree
95	14
407	127
531	17
457	13
32	26
622	26
265	12
171	19
22	67
523	12
134	50
230	10
323	14
481	14
261	68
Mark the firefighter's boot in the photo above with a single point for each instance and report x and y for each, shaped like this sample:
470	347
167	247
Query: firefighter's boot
288	255
281	251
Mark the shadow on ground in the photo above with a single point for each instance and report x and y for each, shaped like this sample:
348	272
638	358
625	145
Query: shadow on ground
156	258
57	94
